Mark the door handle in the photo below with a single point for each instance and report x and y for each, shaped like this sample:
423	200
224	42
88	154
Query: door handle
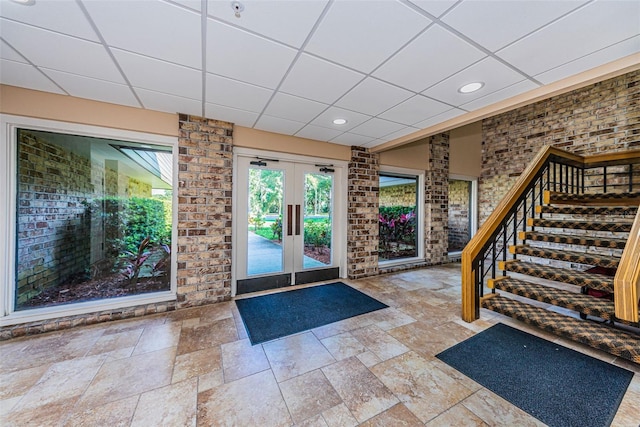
297	220
289	220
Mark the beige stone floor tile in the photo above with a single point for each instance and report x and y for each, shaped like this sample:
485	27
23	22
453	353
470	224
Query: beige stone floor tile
17	383
196	363
173	405
135	323
495	411
62	381
126	377
343	345
379	342
214	312
422	387
231	404
390	318
368	359
364	395
308	395
240	328
51	414
398	415
296	355
430	340
240	359
158	337
316	421
339	416
207	335
210	380
7	405
458	416
113	414
116	341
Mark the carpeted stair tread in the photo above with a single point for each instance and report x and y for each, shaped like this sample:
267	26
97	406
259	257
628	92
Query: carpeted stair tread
617	227
613	341
581	303
588	210
573	277
568	256
601	242
619	199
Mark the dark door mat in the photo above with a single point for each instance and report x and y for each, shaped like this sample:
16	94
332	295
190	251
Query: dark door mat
277	315
557	385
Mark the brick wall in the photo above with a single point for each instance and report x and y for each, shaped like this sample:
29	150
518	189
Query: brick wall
600	118
459	209
436	200
398	195
362	214
204	210
54	184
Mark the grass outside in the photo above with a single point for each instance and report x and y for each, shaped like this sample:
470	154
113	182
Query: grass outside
266	230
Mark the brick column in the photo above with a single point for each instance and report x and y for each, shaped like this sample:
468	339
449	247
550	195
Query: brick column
362	214
204	210
436	201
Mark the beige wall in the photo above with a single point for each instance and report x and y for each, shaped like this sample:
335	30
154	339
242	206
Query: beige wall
411	156
259	139
51	106
465	150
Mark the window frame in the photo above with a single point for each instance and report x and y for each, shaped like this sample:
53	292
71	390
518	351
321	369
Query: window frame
419	175
8	192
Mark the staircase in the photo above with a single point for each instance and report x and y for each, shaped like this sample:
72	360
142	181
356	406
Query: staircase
560	277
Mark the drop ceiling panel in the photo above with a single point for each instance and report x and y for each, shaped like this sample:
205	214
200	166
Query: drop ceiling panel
59	52
376	128
318	133
373	96
319	80
278	125
85	87
608	54
575	35
7	52
491	72
353	119
24	75
285	21
425	61
514	18
351	139
442	117
414	110
243	96
233	115
62	16
508	92
397	134
242	56
169	103
434	7
294	108
166	77
153	28
363	37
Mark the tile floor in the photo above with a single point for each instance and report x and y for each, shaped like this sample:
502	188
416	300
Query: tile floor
197	367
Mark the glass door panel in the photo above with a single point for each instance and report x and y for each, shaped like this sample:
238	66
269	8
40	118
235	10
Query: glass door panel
318	191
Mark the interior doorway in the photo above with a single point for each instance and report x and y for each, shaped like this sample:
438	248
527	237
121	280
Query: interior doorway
463	213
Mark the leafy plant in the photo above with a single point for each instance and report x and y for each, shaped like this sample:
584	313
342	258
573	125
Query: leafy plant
276	228
159	267
317	233
397	227
135	260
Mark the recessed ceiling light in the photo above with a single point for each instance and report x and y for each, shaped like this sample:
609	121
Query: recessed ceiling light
339	121
471	87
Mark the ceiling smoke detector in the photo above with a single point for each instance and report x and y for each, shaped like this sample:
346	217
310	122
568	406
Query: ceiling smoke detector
237	8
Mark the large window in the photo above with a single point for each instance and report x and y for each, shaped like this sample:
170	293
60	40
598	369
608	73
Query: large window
399	217
93	220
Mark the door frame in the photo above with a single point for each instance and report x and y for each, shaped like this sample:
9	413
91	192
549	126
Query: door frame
339	203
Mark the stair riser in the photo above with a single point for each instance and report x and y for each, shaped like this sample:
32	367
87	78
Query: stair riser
601	285
585	259
572	240
613	227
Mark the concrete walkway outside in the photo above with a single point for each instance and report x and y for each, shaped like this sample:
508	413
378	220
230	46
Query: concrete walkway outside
265	256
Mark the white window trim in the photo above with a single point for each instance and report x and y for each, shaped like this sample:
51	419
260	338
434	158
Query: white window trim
8	192
473	208
419	214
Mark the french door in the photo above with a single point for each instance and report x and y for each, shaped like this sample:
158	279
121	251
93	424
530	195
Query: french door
285	223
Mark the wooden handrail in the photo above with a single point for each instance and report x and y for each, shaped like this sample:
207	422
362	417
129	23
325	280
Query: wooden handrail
470	308
627	281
